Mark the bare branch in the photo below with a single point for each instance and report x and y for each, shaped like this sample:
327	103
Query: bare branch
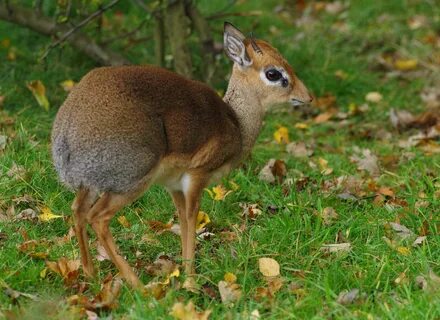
42	24
65	36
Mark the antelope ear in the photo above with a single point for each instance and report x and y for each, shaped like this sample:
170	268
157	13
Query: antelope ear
233	43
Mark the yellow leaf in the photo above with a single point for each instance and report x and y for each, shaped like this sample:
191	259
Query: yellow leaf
39	91
325	169
174	274
269	267
403	251
218	193
281	135
47	214
202	220
230	277
68	85
43	273
123	221
405	64
302	126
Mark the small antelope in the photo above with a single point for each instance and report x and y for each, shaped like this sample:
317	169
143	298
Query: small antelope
122	129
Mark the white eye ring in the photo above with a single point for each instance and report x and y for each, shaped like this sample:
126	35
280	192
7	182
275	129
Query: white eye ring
283	81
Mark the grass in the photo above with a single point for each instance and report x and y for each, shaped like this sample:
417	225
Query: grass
292	233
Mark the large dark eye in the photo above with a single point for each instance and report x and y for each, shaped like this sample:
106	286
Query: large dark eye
273	75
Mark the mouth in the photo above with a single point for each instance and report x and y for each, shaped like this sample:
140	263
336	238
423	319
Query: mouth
296	102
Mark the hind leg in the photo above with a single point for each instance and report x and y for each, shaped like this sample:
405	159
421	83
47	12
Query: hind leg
100	216
81	205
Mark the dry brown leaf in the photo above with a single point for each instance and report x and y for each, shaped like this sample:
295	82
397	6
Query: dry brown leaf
402	232
329	215
26	214
366	161
229	290
348	297
269	267
325	116
250	210
163	266
67	269
299	150
188	312
419	241
102	253
274	170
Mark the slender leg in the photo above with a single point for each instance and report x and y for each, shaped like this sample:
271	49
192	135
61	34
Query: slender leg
192	199
179	202
81	205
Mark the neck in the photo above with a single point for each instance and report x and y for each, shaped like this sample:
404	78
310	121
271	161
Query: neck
248	109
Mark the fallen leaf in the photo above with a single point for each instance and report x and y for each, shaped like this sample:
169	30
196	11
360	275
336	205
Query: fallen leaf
274	170
230	277
329	215
336	247
229	292
281	136
301	125
161	267
269	267
401	119
106	299
202	221
250	210
39	91
323	165
159	226
366	161
102	253
401	231
218	193
348	297
419	241
124	222
68	85
298	149
374	97
188	312
325	116
26	214
67	269
405	64
47	215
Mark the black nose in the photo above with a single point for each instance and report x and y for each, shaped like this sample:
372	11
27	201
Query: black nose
311	98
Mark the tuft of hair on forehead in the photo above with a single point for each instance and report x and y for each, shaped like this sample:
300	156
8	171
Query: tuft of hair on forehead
270	55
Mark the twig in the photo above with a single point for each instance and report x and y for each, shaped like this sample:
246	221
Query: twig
79	26
125	34
234	14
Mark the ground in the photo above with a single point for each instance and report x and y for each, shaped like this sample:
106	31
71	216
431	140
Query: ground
373	206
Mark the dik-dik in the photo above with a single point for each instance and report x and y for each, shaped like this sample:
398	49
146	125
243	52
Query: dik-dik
122	129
